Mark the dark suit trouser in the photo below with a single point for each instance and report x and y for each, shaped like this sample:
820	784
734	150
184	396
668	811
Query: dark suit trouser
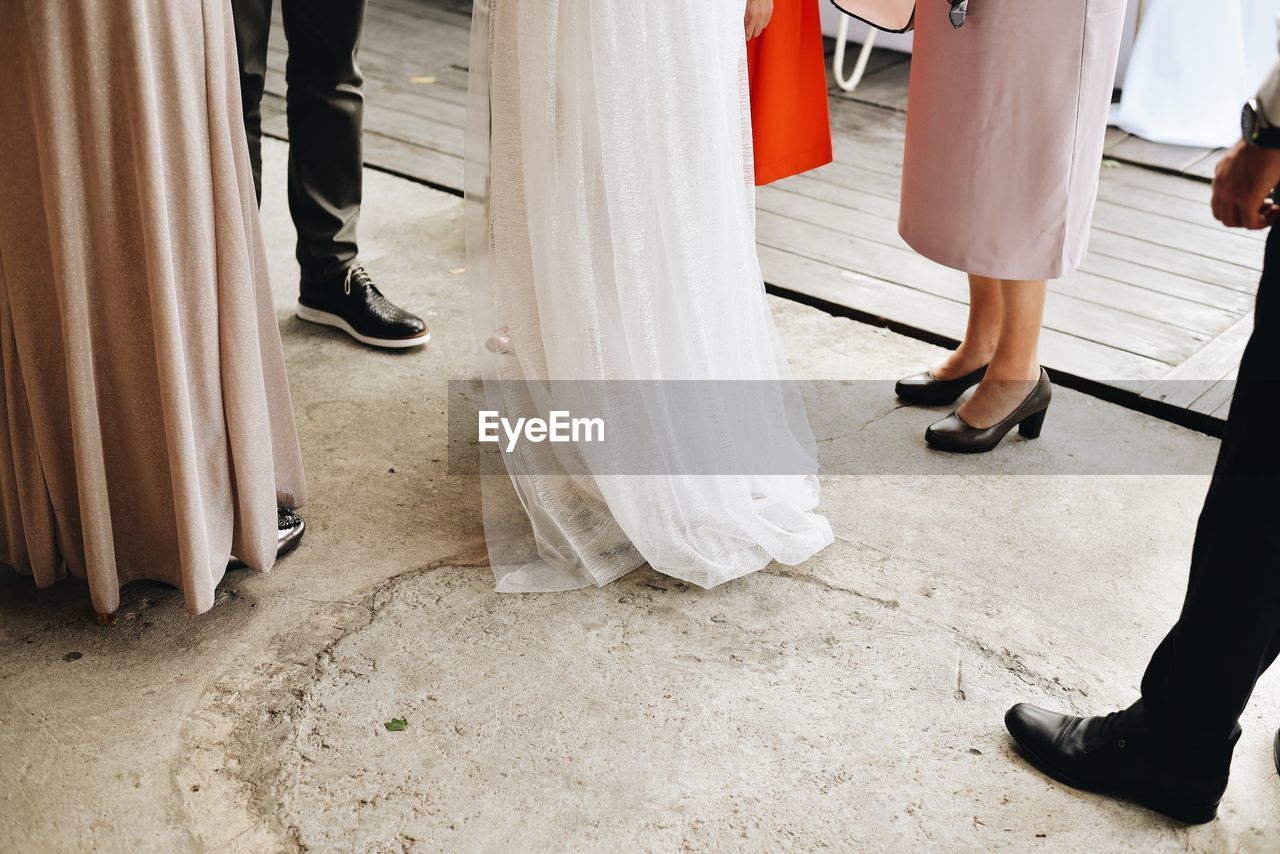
1201	676
325	116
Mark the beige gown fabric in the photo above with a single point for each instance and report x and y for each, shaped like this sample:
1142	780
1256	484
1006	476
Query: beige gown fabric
1005	126
146	428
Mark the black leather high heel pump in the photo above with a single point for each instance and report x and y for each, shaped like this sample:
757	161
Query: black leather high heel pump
927	390
954	435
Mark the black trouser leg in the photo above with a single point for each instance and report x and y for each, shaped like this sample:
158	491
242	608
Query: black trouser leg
326	109
253	27
1201	677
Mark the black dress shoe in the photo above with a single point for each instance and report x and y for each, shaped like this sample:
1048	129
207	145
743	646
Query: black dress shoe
352	302
289	530
1116	755
955	435
927	390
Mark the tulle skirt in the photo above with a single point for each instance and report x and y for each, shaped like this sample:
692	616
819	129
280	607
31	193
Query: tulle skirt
612	247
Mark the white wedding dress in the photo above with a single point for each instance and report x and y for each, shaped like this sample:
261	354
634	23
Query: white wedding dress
611	241
1193	66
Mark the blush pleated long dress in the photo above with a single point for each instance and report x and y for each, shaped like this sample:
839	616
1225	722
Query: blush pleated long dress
146	427
1006	120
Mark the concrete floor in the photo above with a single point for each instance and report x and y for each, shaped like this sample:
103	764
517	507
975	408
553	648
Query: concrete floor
852	703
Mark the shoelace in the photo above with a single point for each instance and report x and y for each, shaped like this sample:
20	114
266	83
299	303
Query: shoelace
356	273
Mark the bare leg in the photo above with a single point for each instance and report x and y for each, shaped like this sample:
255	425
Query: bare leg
981	333
1015	364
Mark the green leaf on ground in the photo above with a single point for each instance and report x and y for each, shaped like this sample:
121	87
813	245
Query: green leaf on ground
396	725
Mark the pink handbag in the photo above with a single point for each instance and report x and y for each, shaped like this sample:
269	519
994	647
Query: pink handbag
893	16
896	16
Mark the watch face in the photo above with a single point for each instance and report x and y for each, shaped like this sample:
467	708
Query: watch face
1248	121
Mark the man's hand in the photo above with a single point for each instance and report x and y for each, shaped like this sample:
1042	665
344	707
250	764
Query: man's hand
1242	185
759	13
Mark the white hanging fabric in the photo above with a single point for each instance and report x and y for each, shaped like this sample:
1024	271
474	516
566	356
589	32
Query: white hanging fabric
1193	66
611	244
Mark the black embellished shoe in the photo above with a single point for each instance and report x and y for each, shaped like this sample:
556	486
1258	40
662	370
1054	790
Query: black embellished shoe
1117	755
352	302
289	530
955	435
927	390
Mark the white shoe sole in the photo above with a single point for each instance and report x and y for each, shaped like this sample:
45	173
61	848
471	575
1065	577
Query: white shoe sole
325	318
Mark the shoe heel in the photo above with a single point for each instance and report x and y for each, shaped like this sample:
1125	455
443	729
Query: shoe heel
1030	426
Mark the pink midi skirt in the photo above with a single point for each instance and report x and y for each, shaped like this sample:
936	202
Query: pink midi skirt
1005	128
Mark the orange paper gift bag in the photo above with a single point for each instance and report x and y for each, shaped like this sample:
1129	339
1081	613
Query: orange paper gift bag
790	122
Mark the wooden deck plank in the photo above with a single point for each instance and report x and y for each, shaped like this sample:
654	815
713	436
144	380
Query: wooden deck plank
1229	288
1204	167
888	301
404	158
1114	135
1235	302
1216	244
785	223
1187	315
883	82
893	303
874	193
1217	396
1217	360
1161	182
1223	410
1170	260
884	87
1195	211
1134	149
